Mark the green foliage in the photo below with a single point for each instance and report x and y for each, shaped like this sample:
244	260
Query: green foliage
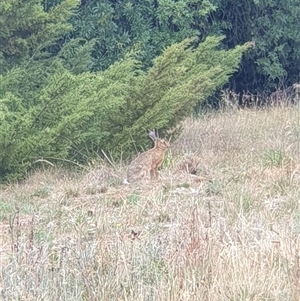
75	116
53	108
76	55
273	158
274	26
27	30
181	77
147	26
114	28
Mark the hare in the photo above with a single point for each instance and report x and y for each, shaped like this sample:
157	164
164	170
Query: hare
147	163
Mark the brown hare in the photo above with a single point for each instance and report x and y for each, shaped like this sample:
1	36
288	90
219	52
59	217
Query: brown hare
146	164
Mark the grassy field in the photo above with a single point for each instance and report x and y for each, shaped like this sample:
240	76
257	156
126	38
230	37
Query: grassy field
221	223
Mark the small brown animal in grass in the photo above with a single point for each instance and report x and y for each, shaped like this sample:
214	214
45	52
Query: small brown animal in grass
146	164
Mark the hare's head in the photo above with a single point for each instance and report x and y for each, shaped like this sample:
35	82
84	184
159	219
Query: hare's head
158	143
162	144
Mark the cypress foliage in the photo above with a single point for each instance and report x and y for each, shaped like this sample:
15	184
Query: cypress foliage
179	79
51	107
27	71
27	30
74	117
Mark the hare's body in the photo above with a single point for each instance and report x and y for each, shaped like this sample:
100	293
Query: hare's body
146	164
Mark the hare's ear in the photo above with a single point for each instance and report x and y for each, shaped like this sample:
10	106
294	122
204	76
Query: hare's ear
152	135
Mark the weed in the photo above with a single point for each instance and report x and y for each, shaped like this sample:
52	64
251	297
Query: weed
5	209
42	192
213	188
272	158
133	198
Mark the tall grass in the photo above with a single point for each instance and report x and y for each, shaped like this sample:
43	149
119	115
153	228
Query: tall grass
222	223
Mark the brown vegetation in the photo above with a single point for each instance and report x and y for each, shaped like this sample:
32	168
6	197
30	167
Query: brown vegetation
221	223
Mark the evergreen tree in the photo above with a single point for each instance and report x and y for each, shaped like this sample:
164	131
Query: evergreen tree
147	26
52	107
27	30
27	66
75	116
273	25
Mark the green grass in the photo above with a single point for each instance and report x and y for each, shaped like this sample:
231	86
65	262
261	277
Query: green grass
221	223
5	209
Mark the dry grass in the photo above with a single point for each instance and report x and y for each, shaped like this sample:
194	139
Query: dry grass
222	223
